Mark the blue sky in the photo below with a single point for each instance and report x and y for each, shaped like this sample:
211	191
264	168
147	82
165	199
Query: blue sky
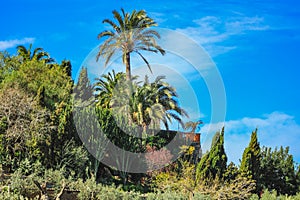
254	45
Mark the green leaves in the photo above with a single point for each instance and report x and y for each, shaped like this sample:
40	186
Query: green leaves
250	165
38	96
146	106
213	164
83	90
278	170
38	54
130	34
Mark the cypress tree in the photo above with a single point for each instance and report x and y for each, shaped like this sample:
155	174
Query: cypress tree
231	173
250	165
298	179
213	164
83	89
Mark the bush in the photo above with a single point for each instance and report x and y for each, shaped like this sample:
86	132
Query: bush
23	187
19	185
7	195
239	188
73	159
254	197
167	195
272	195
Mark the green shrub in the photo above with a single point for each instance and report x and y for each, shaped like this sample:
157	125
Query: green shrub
19	184
88	189
267	195
73	159
166	195
22	188
7	195
254	197
199	196
297	196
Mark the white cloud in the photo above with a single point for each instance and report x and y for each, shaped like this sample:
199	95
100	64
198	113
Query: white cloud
274	130
206	30
6	44
210	31
239	25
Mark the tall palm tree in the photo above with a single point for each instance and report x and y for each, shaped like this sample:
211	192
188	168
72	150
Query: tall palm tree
38	54
130	35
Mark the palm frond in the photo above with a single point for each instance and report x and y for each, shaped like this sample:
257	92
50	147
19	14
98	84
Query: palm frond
130	35
119	18
115	26
105	33
145	60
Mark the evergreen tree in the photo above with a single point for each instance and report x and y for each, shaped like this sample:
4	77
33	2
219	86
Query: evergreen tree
250	165
67	66
213	164
231	173
278	171
83	89
298	178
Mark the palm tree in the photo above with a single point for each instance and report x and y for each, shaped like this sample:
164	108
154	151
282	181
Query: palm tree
144	110
105	87
147	106
130	35
38	54
193	125
157	102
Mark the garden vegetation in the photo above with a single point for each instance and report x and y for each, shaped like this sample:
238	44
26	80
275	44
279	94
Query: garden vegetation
44	157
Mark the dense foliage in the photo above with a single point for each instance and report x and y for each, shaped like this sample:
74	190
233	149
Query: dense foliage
278	170
51	146
250	164
213	164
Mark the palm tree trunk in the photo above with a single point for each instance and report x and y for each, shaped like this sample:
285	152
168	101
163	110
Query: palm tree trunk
128	70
